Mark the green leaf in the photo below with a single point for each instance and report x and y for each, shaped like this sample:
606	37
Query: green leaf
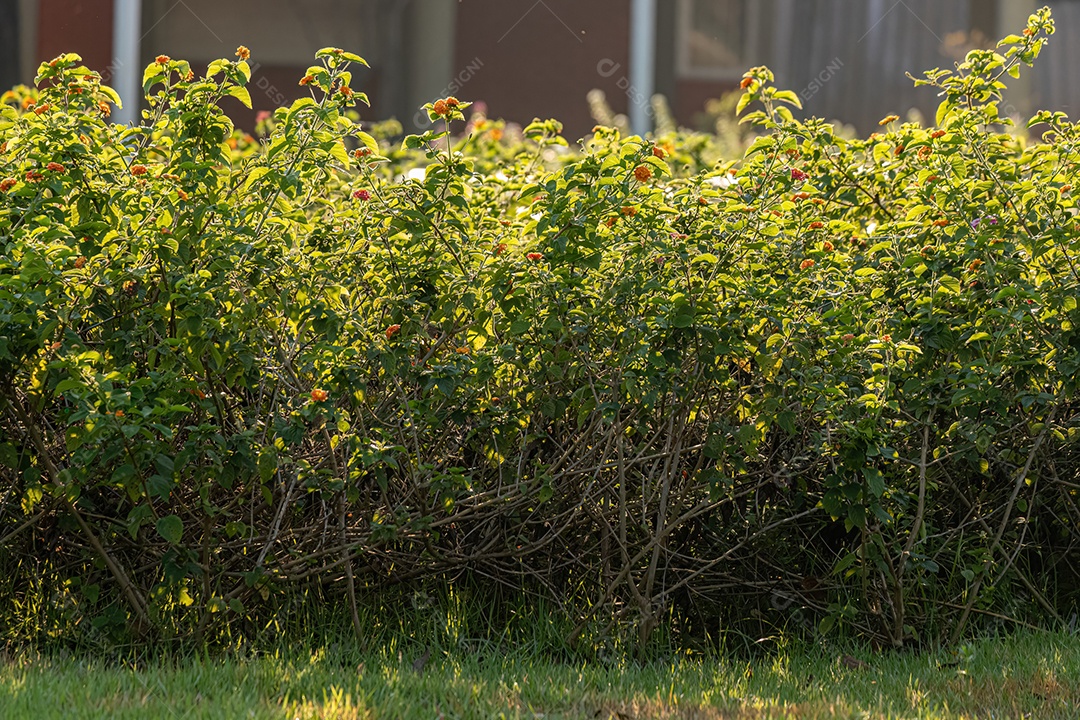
949	284
942	113
171	528
152	75
875	481
353	57
789	97
978	336
369	142
112	95
241	94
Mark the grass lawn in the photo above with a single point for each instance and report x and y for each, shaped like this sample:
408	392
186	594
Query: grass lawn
1031	675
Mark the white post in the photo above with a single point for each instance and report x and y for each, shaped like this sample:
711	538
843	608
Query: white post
127	32
642	64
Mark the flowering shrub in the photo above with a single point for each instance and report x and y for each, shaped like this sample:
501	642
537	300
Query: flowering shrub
835	378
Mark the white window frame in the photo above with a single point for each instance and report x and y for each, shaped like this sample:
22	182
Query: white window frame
684	13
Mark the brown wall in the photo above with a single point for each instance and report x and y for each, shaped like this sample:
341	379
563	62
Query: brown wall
540	59
79	26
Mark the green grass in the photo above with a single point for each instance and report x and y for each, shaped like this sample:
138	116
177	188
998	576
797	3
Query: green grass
1034	675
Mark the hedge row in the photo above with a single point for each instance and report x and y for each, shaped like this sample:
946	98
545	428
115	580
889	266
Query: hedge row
830	384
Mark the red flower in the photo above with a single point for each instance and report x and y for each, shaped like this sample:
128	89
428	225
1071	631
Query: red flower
392	330
162	59
798	175
452	102
361	152
746	82
318	395
800	196
807	264
642	173
629	211
307	79
658	152
440	108
817	225
500	249
937	133
828	246
535	256
33	176
361	195
7	183
138	170
55	167
41	109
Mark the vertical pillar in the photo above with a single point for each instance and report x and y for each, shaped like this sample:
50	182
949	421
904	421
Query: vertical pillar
127	35
642	63
432	28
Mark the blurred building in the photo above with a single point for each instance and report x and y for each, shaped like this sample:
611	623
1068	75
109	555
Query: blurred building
539	58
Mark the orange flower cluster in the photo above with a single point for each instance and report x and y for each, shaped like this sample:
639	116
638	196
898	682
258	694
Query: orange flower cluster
138	170
243	53
392	330
7	183
642	173
318	395
807	264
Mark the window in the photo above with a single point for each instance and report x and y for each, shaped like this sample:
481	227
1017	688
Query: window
716	38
